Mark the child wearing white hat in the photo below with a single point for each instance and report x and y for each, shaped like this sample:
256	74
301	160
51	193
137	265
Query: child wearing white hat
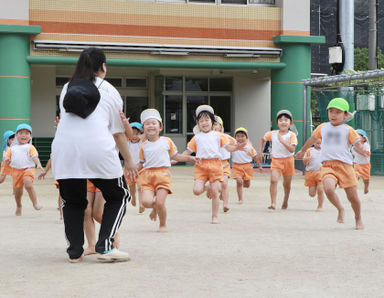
207	143
155	159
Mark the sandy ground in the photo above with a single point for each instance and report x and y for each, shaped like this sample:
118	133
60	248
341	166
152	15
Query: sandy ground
252	253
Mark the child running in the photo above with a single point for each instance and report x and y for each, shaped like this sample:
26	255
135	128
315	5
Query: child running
207	143
225	156
23	157
284	144
337	139
312	162
242	167
361	163
155	159
6	170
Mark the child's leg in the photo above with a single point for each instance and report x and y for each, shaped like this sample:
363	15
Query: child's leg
161	195
2	178
132	190
89	225
139	194
225	194
247	183
320	197
275	175
352	196
198	187
312	191
60	206
366	185
28	184
148	199
18	191
239	188
215	196
98	207
329	185
287	180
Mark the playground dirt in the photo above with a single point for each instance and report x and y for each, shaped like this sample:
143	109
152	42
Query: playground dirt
254	252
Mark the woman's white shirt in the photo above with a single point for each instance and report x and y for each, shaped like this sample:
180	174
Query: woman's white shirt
85	148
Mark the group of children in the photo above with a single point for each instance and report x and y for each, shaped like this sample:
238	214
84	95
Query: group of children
328	164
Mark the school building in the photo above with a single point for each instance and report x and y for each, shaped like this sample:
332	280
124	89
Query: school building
246	58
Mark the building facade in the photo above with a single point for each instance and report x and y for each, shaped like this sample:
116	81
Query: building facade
246	58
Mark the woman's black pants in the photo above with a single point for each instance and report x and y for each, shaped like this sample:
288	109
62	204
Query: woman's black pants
74	195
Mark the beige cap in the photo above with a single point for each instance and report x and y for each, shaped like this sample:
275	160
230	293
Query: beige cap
204	108
150	114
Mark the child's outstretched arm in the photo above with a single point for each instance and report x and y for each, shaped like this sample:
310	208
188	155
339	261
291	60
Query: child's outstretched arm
312	140
183	157
127	127
359	148
122	145
233	148
307	160
47	168
291	148
36	160
260	154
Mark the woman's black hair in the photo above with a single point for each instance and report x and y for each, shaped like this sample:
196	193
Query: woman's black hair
283	114
206	113
89	63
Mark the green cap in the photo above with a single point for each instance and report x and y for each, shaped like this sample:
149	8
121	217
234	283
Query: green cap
339	103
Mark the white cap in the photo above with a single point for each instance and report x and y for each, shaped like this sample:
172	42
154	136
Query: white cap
204	108
150	114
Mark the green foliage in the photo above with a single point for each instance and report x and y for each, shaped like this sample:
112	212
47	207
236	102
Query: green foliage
361	59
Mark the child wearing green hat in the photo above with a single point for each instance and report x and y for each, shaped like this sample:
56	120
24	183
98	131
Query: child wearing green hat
23	157
337	160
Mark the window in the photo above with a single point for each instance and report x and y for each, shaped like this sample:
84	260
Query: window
134	105
196	84
234	1
222	108
192	103
136	83
115	82
220	84
173	113
61	81
174	83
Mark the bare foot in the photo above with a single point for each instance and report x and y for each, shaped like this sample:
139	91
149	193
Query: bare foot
366	190
240	202
37	207
162	230
89	251
340	216
272	207
359	224
141	209
215	220
319	209
18	211
116	240
226	209
153	215
133	202
284	206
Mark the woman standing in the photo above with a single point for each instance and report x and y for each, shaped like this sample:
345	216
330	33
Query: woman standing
84	148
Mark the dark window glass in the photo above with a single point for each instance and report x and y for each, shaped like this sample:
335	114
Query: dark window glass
192	103
203	1
134	105
220	84
261	1
234	1
57	105
61	81
173	114
174	83
196	84
115	82
136	83
222	108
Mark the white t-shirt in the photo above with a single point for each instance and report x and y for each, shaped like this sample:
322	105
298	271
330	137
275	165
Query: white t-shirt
207	145
157	154
244	156
85	148
315	163
336	142
361	159
278	149
21	156
134	148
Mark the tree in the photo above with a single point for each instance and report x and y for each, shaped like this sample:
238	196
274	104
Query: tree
361	59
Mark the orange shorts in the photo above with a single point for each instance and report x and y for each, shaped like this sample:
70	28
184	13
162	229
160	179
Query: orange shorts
285	166
312	178
341	172
130	182
209	170
243	171
155	178
91	187
226	168
6	169
363	171
18	176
